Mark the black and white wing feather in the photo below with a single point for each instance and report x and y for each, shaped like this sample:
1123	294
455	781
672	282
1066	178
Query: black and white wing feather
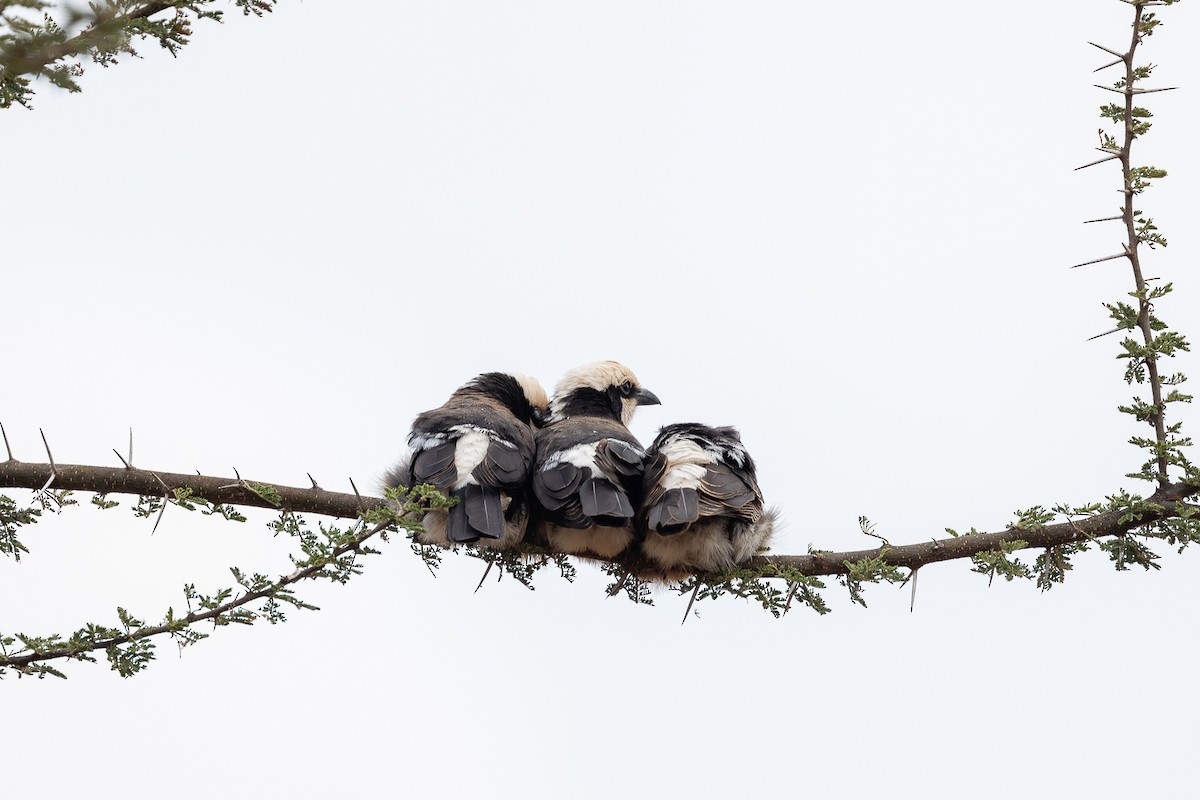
478	449
586	483
703	509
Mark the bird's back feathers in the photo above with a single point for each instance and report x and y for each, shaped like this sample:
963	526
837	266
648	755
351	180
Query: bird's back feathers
703	509
478	448
586	482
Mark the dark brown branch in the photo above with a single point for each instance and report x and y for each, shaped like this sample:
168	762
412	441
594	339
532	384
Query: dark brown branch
100	34
231	491
914	556
146	631
226	491
1131	249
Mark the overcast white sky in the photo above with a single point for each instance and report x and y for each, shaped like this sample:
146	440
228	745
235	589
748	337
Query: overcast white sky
843	228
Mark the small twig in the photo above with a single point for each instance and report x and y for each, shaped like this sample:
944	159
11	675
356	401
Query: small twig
866	527
1106	333
491	560
1098	161
214	614
1120	56
688	611
6	447
161	511
48	453
1098	260
1127	92
792	587
1080	531
612	592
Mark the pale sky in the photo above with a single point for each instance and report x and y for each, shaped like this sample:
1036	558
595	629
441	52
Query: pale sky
843	228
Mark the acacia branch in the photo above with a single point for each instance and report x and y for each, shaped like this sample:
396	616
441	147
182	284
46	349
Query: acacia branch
1163	504
217	613
104	30
1131	249
30	48
224	491
1168	499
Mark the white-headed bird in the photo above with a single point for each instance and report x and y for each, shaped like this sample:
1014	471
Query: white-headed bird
702	508
588	473
478	447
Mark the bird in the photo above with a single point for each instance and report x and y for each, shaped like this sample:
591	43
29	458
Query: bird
478	448
702	508
588	470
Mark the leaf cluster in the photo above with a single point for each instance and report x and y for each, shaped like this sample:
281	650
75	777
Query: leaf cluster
35	43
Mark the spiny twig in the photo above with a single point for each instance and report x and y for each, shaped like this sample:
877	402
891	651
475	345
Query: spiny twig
119	480
214	613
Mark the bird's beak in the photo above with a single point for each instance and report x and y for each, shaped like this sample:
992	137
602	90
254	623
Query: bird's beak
645	397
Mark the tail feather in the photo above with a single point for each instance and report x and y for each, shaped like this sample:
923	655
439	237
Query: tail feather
479	513
484	510
603	502
458	529
677	509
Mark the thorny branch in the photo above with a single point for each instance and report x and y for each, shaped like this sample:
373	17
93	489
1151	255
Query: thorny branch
31	47
1115	527
224	491
1134	240
1143	358
216	614
98	35
230	491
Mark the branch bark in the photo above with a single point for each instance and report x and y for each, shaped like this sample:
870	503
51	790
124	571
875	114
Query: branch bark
226	491
216	613
234	491
99	34
1131	249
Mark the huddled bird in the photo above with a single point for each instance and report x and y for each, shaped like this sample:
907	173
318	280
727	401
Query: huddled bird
567	472
702	509
588	471
478	447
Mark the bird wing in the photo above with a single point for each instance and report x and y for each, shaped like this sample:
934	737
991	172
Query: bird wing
503	466
434	465
587	482
667	511
555	486
617	459
726	491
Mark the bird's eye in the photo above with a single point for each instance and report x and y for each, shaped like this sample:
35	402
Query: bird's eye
627	388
